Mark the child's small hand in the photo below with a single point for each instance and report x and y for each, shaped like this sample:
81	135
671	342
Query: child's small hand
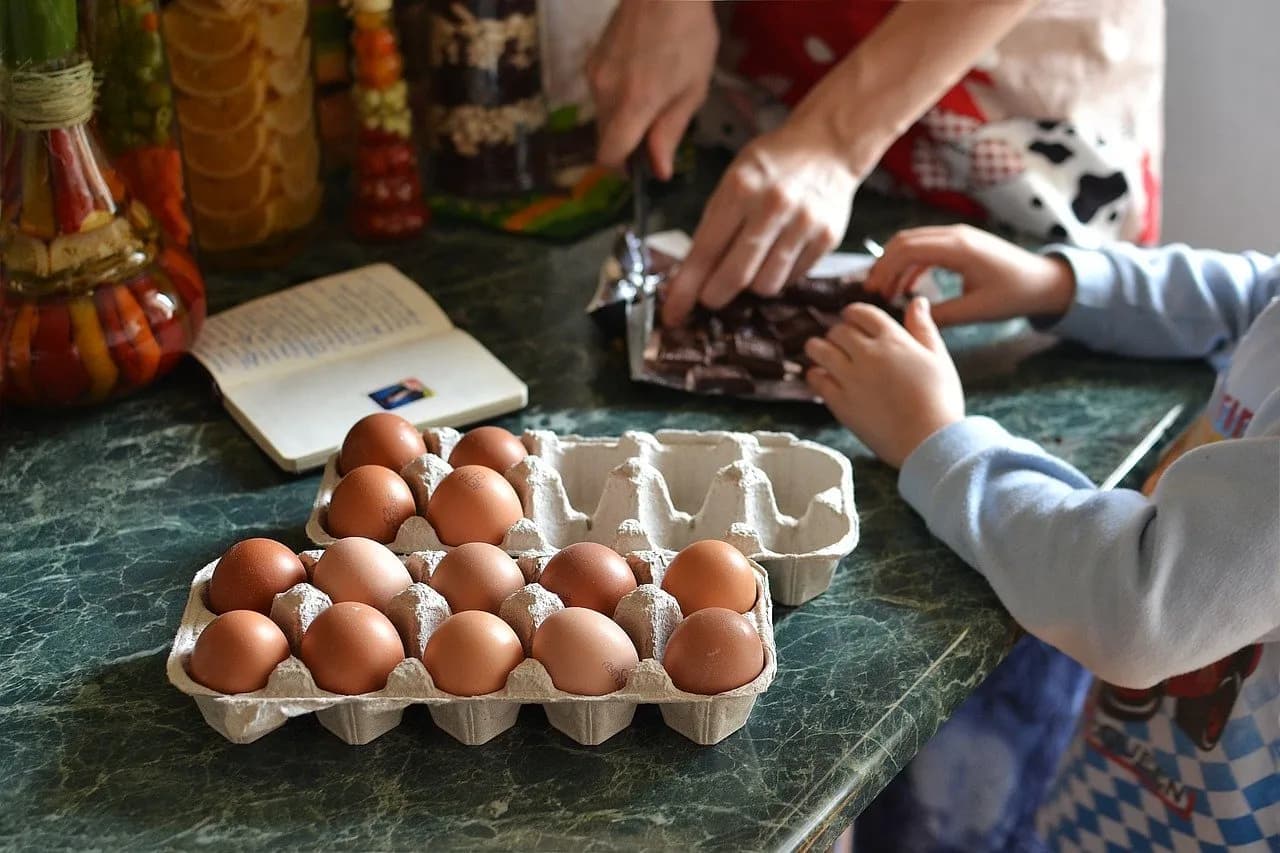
1001	280
893	387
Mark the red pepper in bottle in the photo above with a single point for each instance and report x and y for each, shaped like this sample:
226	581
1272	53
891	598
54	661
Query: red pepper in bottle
72	198
56	369
165	317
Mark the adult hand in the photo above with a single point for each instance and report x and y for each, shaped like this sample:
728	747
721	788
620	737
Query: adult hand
782	205
893	386
1001	280
649	73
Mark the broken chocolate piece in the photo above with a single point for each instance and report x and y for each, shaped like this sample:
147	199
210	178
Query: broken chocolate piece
761	356
724	378
827	294
680	349
793	331
739	312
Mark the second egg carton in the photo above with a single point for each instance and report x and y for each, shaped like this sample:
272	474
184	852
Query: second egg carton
648	615
788	500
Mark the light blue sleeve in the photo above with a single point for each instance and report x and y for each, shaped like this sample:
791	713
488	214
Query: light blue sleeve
1137	589
1172	302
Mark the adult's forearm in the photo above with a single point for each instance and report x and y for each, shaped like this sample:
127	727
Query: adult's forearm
901	69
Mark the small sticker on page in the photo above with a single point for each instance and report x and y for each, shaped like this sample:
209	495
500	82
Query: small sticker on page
402	393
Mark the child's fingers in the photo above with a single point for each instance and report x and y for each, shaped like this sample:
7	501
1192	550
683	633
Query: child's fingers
823	384
919	322
917	248
851	340
976	306
827	356
868	318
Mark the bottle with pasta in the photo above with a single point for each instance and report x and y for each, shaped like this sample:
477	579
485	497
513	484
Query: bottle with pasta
488	113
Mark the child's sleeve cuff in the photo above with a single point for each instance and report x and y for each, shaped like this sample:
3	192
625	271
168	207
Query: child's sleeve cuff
940	452
1090	307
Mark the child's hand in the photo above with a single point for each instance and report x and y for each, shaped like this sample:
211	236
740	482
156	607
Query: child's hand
893	387
1001	280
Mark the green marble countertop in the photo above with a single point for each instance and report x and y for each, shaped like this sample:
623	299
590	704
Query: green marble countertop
106	514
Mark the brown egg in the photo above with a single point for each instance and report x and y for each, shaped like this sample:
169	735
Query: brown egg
372	502
476	576
490	446
351	649
237	651
713	650
251	573
711	573
473	504
472	654
384	439
362	570
589	575
584	652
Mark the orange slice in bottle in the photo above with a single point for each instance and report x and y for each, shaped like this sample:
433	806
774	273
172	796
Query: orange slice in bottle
222	115
286	74
290	114
299	160
215	78
222	9
234	231
196	34
294	214
281	26
224	155
229	196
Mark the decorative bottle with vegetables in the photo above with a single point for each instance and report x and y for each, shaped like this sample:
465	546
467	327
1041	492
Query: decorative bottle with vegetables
94	302
387	203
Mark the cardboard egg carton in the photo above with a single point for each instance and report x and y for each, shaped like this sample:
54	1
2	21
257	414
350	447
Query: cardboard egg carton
648	615
789	501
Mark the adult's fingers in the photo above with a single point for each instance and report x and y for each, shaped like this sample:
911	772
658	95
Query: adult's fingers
721	220
622	128
776	271
821	241
668	129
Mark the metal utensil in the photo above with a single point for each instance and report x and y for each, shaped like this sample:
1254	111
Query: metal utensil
626	275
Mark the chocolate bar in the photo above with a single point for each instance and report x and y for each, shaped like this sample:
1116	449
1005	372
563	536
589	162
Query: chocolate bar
680	350
760	356
722	378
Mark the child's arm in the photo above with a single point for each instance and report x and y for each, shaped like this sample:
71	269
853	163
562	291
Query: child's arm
1136	589
1169	302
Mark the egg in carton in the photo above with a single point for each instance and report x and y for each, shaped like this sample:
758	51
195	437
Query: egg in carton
647	614
790	499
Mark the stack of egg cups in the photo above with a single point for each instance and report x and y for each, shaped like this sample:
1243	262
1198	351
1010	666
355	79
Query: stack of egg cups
786	504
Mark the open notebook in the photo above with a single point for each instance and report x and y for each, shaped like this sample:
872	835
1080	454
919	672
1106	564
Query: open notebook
297	368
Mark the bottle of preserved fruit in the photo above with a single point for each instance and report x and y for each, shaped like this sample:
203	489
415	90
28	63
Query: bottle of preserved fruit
245	101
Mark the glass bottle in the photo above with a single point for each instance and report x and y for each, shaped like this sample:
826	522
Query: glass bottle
488	114
94	302
387	203
242	70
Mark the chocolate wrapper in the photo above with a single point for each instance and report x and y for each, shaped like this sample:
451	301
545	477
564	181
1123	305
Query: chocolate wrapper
753	348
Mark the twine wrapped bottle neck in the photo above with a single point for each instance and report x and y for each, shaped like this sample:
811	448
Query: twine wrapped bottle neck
47	99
